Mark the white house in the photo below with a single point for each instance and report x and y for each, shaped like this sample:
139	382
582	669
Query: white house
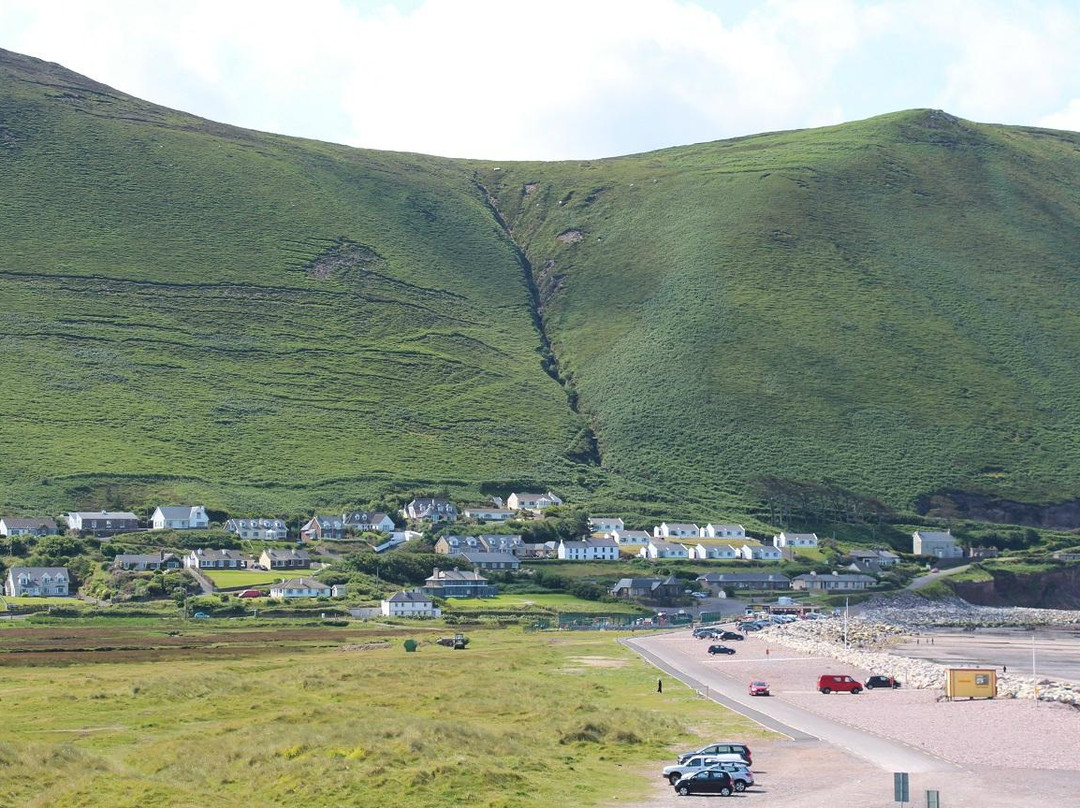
102	523
676	530
795	540
410	604
180	517
532	502
43	582
761	552
431	509
483	514
942	545
714	551
626	538
588	550
210	559
299	588
14	526
259	529
712	531
371	521
605	524
658	548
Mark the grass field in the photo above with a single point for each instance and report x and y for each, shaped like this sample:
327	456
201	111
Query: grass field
231	579
574	720
560	603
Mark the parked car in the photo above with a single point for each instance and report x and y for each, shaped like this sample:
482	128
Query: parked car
709	781
882	681
704	633
699	595
201	616
759	688
729	635
691	765
723	750
741	776
829	683
721	649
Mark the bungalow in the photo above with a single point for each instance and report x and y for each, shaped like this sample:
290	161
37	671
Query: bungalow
431	509
146	563
532	502
836	582
300	588
210	559
588	550
795	540
491	561
711	531
37	526
410	604
657	548
452	545
676	530
605	524
457	584
631	537
708	551
982	552
716	581
323	528
180	517
102	523
368	521
488	514
537	550
873	558
37	582
260	529
273	559
648	588
501	543
929	542
761	552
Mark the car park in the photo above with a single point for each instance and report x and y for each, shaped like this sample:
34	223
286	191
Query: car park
722	751
833	683
741	776
721	649
758	688
709	781
882	681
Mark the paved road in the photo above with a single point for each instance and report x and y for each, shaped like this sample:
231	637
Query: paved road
930	577
782	717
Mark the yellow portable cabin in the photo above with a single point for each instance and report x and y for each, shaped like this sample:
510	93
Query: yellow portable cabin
972	683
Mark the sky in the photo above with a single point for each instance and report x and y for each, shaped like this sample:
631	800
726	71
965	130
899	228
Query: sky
564	79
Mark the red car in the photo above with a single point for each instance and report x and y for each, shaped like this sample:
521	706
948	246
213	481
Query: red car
759	689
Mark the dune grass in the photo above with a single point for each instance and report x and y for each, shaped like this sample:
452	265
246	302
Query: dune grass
573	719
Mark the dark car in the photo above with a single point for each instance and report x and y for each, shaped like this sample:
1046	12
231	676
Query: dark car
710	781
882	681
704	633
729	635
721	649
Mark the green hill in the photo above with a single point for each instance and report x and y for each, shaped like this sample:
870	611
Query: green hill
191	311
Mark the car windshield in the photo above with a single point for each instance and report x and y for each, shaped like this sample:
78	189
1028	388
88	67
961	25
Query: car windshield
760	684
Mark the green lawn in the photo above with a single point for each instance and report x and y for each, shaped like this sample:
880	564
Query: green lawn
27	601
231	579
575	720
561	603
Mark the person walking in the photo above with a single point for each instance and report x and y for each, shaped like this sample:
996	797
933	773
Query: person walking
659	685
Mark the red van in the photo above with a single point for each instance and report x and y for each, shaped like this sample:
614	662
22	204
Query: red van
829	683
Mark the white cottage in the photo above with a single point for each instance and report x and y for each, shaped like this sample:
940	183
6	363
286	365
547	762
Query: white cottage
410	604
180	517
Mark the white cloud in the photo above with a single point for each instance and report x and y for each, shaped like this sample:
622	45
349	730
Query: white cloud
562	78
1068	117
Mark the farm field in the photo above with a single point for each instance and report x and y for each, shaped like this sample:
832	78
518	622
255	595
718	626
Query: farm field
345	717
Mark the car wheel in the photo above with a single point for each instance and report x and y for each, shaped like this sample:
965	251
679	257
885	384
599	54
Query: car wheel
826	691
725	792
856	691
683	790
869	686
674	778
740	785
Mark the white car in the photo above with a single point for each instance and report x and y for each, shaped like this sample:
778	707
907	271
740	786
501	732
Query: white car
693	764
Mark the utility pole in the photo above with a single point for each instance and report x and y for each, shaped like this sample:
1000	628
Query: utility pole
846	604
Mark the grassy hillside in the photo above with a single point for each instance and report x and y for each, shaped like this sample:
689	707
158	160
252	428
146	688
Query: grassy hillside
205	313
197	312
888	304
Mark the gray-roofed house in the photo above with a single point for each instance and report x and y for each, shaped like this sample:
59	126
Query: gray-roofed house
457	584
930	542
180	517
102	524
410	603
370	521
631	538
147	562
502	543
274	559
37	582
716	581
658	548
795	540
714	551
605	524
323	528
676	530
207	558
431	509
532	502
835	582
711	531
655	589
452	545
299	588
761	552
490	561
259	528
24	526
588	550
